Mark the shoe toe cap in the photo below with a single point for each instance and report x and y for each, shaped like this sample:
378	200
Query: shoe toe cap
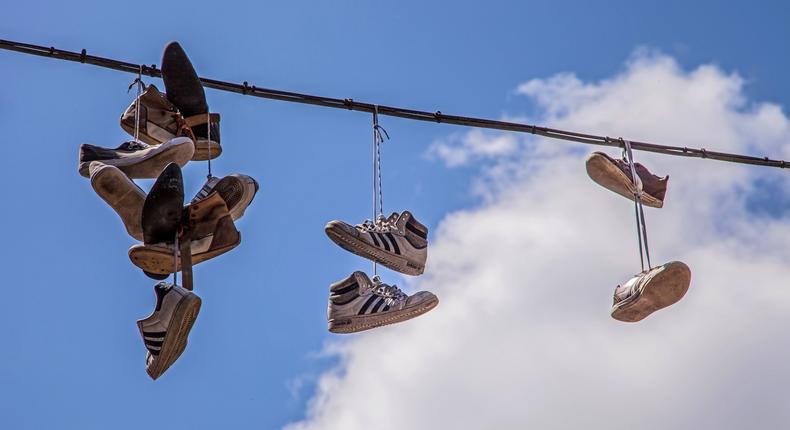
422	298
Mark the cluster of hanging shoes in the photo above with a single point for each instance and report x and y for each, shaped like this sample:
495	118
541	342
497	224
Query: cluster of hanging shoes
175	127
169	130
655	287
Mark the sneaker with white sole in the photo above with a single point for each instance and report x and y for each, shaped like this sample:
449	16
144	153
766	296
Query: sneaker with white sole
137	159
399	242
358	303
236	189
165	331
615	175
650	291
121	193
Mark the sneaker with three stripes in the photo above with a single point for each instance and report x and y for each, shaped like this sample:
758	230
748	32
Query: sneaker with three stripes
166	330
399	242
358	303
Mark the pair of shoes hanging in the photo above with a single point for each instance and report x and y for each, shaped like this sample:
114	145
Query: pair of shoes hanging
653	288
399	242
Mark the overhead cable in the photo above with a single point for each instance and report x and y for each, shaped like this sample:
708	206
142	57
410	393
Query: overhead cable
251	90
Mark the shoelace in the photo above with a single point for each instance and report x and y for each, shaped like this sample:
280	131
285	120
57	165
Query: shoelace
381	225
391	293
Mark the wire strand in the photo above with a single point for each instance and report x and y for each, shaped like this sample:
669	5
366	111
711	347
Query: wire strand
350	104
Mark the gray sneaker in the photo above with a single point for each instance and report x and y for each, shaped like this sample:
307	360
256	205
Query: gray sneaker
138	160
237	190
357	303
166	330
650	291
121	193
399	242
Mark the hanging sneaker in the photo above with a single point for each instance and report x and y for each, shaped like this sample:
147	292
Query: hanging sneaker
136	159
184	90
358	303
157	259
163	207
650	291
166	330
160	120
615	175
399	242
121	193
237	191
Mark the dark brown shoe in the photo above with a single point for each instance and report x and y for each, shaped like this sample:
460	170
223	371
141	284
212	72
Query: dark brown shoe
615	175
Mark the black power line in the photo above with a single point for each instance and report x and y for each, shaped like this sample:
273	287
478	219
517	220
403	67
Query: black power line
350	104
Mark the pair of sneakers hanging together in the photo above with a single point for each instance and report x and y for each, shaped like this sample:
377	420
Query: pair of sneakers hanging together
398	242
169	130
654	288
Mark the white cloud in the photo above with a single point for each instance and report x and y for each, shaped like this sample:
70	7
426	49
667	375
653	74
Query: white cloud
464	148
522	337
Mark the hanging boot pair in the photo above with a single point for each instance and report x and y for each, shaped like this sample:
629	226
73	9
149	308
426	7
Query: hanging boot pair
657	287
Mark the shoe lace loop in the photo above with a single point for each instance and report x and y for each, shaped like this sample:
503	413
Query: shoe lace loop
380	225
391	293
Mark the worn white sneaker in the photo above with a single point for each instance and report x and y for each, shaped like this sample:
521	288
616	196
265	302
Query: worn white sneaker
650	291
137	159
121	193
358	303
399	242
166	330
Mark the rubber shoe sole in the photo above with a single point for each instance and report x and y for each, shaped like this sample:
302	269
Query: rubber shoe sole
123	195
155	260
608	175
175	341
162	210
664	289
355	246
202	150
357	323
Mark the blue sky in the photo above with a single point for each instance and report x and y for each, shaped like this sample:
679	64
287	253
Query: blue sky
73	357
